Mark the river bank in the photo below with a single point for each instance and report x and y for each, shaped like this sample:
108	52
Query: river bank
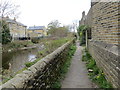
20	62
16	45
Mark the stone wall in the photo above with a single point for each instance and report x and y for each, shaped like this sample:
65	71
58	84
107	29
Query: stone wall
44	73
105	22
104	19
107	58
104	46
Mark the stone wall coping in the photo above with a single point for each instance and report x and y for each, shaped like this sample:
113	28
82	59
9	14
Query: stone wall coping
109	47
19	80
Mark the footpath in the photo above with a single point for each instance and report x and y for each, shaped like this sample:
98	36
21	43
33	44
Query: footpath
77	76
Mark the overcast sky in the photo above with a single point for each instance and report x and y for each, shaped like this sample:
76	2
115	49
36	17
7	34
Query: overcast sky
41	12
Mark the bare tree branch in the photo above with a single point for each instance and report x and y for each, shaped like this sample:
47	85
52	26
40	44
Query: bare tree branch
8	9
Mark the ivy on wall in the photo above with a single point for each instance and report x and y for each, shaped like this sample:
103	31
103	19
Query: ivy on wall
82	33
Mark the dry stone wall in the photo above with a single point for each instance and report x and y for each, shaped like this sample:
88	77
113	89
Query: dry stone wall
43	74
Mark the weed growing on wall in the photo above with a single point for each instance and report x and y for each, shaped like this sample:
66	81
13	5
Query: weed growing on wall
65	67
96	74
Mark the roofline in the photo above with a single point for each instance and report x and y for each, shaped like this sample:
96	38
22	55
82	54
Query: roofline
35	29
19	23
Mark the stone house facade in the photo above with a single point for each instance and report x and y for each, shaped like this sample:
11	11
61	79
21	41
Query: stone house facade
104	45
17	29
37	31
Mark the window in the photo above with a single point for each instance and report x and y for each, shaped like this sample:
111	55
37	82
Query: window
89	31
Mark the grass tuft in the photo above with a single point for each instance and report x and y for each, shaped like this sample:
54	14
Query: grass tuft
96	75
65	67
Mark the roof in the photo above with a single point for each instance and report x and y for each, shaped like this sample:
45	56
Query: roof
36	28
13	21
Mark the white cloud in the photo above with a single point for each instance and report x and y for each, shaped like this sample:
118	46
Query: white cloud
41	12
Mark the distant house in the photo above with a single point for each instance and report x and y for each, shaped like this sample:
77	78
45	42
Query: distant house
17	29
37	31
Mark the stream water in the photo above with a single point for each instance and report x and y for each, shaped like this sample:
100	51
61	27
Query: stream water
15	61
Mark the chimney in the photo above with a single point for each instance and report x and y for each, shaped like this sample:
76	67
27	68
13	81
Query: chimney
83	13
14	19
7	17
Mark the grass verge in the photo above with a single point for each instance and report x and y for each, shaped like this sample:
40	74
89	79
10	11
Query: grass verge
16	45
96	74
50	46
65	67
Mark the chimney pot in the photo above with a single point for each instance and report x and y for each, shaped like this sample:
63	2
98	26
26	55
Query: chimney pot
14	19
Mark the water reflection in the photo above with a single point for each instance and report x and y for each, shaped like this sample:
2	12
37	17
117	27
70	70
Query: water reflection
18	59
32	57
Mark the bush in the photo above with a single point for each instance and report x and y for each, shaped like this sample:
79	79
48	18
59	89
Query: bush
16	45
6	37
82	33
35	40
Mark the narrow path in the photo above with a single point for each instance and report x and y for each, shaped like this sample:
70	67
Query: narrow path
77	75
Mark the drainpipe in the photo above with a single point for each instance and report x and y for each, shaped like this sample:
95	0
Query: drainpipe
86	39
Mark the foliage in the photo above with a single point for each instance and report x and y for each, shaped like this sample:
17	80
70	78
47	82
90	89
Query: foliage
82	33
6	79
6	76
16	45
35	40
28	64
55	30
54	24
96	74
6	37
65	67
50	46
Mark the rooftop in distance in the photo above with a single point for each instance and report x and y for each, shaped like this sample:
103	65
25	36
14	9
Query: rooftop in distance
36	28
7	19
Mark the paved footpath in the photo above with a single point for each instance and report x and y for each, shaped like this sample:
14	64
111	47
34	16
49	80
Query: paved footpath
77	74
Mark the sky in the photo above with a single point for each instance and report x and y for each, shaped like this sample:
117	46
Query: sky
42	12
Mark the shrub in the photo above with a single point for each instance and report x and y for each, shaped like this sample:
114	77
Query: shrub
6	37
35	40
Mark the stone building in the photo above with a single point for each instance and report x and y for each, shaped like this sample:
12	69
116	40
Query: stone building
104	45
82	21
37	31
17	29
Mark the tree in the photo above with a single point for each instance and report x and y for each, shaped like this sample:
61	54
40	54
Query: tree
6	37
53	24
8	9
62	31
55	30
52	27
